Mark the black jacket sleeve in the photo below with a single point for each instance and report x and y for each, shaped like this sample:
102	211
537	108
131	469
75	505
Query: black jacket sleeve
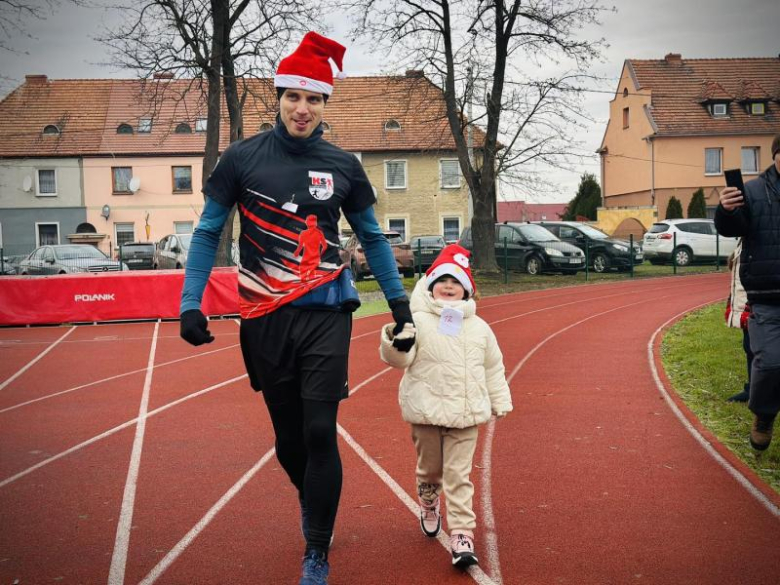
732	223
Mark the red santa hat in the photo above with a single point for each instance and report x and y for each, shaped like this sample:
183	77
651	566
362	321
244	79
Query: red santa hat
308	67
453	261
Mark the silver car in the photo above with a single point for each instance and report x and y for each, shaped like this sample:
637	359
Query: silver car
67	259
172	251
696	241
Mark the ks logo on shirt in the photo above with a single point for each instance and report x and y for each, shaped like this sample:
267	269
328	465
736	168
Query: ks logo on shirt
320	185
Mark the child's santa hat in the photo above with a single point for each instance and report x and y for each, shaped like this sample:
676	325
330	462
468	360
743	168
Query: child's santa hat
453	261
308	67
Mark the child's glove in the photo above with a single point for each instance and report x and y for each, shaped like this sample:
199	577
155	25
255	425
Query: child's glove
404	340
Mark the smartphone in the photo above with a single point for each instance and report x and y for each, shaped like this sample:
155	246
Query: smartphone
734	179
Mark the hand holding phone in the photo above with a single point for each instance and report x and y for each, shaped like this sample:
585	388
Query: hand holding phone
733	196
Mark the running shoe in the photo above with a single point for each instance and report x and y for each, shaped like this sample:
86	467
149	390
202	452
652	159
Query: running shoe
462	546
430	518
315	569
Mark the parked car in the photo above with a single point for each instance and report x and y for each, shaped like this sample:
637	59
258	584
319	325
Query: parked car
172	251
9	264
68	259
697	241
352	255
531	248
426	249
603	251
138	255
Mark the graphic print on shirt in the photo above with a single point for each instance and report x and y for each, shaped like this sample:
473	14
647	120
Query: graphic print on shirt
320	185
312	242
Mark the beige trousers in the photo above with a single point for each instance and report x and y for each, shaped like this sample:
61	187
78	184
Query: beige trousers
444	458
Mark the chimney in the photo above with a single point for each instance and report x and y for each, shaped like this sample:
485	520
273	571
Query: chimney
35	79
163	75
673	59
415	73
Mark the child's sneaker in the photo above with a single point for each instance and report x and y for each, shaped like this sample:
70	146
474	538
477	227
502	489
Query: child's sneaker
462	546
315	569
430	518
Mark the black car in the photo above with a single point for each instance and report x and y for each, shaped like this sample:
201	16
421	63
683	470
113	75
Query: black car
138	255
604	252
426	249
531	248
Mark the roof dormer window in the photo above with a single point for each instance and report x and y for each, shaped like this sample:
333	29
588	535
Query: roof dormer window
325	127
200	124
183	128
756	108
124	129
719	110
144	125
393	126
266	126
51	130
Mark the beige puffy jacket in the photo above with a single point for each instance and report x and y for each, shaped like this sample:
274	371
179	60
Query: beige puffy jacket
450	381
737	295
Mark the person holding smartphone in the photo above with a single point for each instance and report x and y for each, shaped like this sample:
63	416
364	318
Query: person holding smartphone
754	215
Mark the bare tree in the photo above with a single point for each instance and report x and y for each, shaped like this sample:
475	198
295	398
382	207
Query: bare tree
223	41
518	64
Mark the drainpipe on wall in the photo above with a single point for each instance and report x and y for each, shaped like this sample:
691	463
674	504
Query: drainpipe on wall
652	171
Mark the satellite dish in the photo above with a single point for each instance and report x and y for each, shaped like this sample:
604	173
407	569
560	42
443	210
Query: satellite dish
134	184
27	183
106	211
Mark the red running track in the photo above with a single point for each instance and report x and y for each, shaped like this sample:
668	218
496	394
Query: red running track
127	456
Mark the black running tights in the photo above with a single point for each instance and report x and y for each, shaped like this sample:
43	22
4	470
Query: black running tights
307	449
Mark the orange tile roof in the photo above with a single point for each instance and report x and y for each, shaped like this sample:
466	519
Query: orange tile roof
88	113
679	86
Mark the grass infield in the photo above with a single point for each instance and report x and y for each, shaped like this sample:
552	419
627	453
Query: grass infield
705	363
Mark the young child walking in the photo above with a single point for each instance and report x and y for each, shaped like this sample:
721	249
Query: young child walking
454	381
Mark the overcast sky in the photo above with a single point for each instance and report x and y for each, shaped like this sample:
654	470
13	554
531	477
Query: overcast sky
63	48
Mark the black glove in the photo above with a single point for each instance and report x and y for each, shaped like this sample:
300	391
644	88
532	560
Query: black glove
402	315
194	327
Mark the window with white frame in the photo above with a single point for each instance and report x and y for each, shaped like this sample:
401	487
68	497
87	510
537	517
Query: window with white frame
451	228
395	174
449	173
200	124
124	233
757	108
47	234
144	125
750	159
47	182
712	161
397	224
182	227
719	109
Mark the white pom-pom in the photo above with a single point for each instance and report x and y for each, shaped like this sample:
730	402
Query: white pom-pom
341	75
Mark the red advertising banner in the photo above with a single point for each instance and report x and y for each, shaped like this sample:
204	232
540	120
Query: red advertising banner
78	298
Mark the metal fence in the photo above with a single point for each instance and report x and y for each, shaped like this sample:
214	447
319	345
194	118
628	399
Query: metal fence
536	261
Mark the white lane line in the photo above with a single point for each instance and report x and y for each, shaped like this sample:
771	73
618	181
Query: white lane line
476	573
122	543
723	462
180	546
35	359
116	429
201	525
117	376
488	516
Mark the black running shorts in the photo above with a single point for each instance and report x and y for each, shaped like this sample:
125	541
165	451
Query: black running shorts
293	350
